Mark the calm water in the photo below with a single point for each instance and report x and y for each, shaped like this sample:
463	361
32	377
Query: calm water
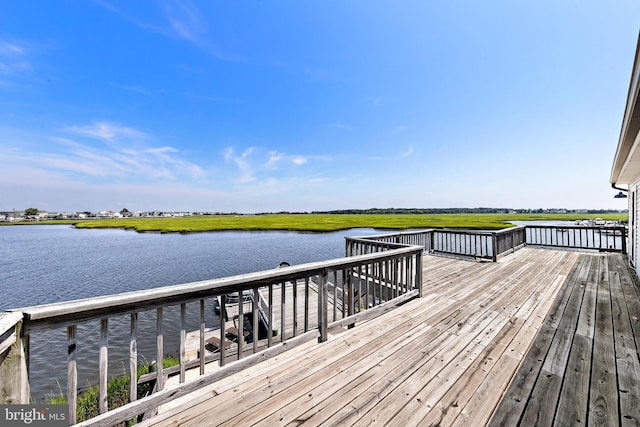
45	264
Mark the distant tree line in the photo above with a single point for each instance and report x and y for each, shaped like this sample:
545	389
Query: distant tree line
416	211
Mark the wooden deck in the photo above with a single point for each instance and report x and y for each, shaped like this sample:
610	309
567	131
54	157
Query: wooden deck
449	357
582	368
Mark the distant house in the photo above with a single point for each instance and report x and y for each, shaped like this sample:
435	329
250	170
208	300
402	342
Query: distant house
626	164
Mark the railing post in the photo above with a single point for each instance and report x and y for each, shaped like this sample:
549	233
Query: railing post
103	366
624	239
419	274
72	373
494	243
14	378
323	303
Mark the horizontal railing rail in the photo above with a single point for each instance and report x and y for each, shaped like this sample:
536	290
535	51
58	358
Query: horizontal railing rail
278	306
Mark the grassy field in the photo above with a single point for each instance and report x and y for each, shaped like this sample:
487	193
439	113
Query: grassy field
321	222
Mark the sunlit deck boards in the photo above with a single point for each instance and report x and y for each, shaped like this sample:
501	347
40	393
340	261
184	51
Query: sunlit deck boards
445	359
583	366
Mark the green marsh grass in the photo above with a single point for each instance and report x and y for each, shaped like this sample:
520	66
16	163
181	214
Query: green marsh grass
322	222
328	222
117	392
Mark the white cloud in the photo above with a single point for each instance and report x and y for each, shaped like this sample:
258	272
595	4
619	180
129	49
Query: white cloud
375	101
108	131
179	19
137	89
298	160
123	154
13	58
408	152
274	159
260	164
242	162
399	129
341	126
16	66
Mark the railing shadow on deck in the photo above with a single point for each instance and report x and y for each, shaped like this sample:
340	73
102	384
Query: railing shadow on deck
377	273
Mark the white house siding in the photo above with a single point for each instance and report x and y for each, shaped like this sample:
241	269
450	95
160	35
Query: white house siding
634	233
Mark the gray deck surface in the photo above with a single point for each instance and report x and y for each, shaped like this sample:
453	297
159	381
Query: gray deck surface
582	368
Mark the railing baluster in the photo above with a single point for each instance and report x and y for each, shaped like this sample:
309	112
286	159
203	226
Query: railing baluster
133	358
240	324
256	319
366	284
72	373
203	354
223	333
335	295
183	338
344	292
283	310
295	307
270	331
323	302
378	266
306	304
104	364
159	350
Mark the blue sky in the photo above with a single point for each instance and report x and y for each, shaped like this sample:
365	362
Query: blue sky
257	106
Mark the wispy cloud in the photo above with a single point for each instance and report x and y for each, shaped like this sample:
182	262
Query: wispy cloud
13	57
178	19
15	62
143	90
108	131
375	101
242	161
185	20
340	125
205	97
316	73
408	152
121	153
260	164
399	129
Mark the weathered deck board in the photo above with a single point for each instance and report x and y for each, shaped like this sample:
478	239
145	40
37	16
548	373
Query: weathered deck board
449	357
590	376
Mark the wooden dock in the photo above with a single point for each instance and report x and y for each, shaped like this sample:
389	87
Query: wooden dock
306	318
450	357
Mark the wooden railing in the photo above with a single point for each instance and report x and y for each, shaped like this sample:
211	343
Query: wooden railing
491	244
605	239
349	290
466	243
